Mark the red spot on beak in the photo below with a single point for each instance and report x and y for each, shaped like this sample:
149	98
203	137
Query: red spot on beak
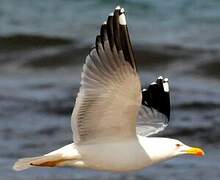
195	151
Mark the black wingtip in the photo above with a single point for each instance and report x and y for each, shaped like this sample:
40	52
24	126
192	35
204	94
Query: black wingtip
115	30
125	39
157	96
103	33
98	42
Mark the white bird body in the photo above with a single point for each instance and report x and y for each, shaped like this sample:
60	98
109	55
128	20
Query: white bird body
118	156
127	155
112	114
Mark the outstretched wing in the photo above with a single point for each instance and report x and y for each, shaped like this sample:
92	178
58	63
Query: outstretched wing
154	113
110	95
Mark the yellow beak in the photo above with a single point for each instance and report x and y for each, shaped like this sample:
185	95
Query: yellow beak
195	151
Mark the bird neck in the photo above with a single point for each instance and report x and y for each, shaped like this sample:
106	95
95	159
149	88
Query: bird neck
156	148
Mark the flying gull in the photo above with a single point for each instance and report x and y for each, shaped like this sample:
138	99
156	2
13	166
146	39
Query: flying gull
113	118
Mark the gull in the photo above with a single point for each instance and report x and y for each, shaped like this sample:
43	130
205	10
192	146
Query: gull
113	118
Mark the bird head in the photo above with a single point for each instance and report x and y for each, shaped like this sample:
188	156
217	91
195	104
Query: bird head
181	149
160	149
173	148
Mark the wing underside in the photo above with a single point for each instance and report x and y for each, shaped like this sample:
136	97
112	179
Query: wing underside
110	104
110	94
154	113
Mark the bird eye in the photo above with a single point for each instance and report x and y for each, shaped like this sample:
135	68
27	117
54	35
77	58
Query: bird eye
178	145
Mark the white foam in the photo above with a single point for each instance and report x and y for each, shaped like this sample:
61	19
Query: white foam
153	83
122	19
166	86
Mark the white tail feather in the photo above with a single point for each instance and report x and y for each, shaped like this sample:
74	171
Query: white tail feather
26	163
59	157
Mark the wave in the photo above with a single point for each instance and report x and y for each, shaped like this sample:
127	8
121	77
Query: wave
210	68
23	41
199	134
36	51
198	106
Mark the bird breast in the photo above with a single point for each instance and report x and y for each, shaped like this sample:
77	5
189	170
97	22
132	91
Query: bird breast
116	156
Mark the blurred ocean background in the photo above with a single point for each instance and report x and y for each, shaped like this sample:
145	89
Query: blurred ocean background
43	44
